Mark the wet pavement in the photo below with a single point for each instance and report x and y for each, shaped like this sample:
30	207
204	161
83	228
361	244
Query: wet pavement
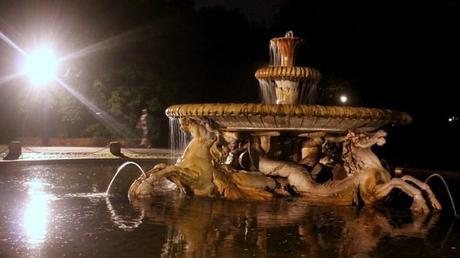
66	152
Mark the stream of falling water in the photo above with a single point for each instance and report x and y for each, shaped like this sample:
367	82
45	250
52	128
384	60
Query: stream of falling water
309	93
275	54
275	57
267	91
119	170
178	140
447	189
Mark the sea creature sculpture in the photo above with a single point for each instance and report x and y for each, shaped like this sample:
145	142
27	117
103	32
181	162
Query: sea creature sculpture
201	172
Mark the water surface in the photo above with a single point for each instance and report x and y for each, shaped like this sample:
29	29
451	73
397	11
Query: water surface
60	211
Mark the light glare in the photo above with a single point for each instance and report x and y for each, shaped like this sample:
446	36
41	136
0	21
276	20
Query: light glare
343	99
41	66
36	213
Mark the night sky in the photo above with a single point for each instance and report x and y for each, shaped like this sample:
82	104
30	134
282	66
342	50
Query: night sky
401	55
260	11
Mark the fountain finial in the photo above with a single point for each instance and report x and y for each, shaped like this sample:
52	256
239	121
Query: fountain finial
282	49
282	82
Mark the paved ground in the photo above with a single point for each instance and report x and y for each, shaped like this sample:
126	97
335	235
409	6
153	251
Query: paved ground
66	152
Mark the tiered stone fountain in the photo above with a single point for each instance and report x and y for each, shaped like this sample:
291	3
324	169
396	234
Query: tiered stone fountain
283	147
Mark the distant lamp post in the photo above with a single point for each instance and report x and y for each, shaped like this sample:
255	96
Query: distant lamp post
343	99
41	66
452	119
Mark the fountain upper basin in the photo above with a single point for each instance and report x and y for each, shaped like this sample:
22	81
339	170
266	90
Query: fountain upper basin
299	118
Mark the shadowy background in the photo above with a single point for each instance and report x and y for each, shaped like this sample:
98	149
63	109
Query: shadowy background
130	55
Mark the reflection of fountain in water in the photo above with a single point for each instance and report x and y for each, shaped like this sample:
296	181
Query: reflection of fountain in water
119	221
178	139
119	170
126	223
301	230
175	243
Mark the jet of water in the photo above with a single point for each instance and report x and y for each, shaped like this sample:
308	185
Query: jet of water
448	191
120	169
179	139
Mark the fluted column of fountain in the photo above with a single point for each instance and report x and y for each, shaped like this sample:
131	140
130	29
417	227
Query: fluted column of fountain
282	82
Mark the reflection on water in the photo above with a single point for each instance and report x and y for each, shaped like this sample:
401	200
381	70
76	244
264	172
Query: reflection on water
36	212
207	228
65	212
127	223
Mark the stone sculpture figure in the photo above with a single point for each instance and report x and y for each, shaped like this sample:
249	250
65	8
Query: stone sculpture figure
144	125
201	173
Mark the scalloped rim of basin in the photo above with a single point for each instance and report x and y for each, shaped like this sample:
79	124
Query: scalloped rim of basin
294	73
246	116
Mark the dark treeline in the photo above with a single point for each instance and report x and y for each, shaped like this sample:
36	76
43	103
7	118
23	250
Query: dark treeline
152	54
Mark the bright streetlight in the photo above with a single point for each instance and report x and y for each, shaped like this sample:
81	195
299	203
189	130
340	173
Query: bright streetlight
41	66
343	99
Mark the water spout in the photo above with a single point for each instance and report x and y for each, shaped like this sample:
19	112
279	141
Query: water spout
119	170
447	189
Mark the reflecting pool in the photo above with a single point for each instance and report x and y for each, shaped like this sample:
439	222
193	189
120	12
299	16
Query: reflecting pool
59	210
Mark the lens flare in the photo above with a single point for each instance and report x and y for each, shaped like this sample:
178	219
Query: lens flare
41	66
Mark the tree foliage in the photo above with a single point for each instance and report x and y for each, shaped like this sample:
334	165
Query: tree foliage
146	54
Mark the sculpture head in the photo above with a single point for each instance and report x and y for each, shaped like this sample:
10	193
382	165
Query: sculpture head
377	137
184	125
231	138
366	140
197	128
380	135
